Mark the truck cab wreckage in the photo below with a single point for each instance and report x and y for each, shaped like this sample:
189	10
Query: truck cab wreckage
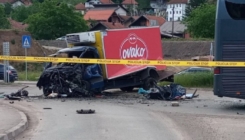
78	79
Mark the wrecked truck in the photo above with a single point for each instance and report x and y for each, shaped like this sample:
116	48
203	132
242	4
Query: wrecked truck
78	79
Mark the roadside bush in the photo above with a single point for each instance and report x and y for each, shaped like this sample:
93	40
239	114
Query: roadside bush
31	75
194	80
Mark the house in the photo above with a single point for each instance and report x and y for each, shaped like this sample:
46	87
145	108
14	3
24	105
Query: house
147	20
126	20
176	10
159	7
107	25
131	5
106	15
119	9
89	3
80	7
179	29
16	3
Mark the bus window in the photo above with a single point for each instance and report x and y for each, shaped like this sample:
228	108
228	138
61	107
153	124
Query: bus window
235	10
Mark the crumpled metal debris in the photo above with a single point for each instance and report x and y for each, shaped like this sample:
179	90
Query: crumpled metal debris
82	111
169	92
17	95
71	79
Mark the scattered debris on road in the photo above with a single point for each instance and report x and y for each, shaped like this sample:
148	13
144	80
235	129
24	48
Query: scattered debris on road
52	95
168	92
21	92
47	108
12	102
90	111
17	95
175	103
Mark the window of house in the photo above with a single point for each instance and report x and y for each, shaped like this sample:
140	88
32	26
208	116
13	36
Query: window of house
176	12
170	12
179	5
180	12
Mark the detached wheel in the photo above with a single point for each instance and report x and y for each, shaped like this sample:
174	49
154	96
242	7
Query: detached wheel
149	83
127	89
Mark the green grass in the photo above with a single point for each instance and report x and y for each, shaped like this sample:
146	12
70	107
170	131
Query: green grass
31	75
193	80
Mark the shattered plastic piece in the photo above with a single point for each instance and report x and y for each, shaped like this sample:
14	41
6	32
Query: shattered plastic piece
193	95
47	108
63	95
142	91
175	103
12	97
85	111
53	95
2	96
189	96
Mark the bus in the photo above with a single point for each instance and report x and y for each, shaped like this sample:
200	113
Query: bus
229	46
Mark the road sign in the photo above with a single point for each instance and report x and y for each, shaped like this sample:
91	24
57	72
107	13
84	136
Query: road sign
26	41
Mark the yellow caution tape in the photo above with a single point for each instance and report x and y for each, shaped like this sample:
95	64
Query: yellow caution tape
122	61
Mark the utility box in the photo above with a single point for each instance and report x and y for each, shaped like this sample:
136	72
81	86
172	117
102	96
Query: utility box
80	38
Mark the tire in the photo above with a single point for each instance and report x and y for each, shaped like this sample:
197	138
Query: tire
46	92
127	89
149	83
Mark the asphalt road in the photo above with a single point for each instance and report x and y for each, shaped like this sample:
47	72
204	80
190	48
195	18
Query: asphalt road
128	116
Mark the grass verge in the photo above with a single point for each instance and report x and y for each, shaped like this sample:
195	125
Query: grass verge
31	75
193	80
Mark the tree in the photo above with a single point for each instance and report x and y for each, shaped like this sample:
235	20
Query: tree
201	21
7	8
55	20
4	23
192	5
144	4
21	13
117	1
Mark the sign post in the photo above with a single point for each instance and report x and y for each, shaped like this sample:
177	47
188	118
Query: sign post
26	43
6	62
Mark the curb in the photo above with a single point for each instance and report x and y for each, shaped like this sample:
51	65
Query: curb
16	130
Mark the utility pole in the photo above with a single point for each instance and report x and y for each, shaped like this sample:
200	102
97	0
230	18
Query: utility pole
173	22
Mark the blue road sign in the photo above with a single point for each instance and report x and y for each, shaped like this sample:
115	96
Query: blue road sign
26	41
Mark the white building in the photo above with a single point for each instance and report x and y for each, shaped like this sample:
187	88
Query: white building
16	3
176	9
159	7
90	3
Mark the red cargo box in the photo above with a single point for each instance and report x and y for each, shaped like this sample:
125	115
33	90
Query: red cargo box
132	43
